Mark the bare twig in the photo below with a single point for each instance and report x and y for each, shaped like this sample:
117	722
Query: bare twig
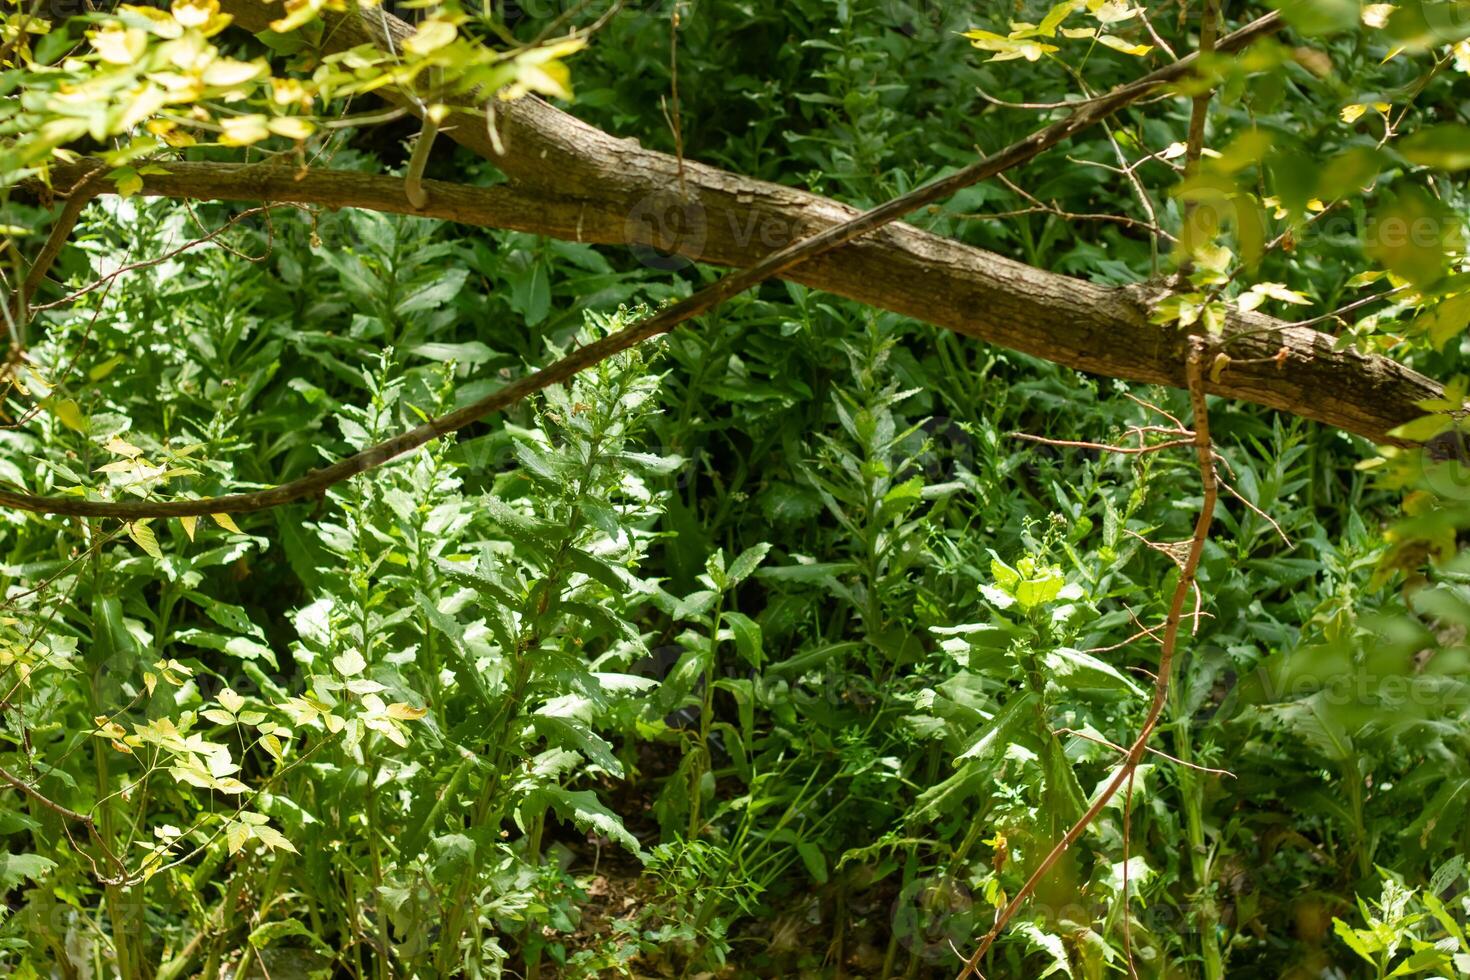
72	816
1205	453
1158	752
1102	446
1039	206
55	242
156	260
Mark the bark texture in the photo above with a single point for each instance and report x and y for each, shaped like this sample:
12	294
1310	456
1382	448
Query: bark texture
573	181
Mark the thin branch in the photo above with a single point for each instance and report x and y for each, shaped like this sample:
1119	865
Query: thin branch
1204	451
1349	308
72	816
1039	206
1102	447
1149	26
1071	104
1208	31
172	253
1158	752
55	242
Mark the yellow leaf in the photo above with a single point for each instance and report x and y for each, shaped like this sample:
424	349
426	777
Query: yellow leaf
119	446
195	13
189	524
405	712
291	127
243	130
298	12
1112	11
430	36
1118	44
143	536
1376	15
227	73
69	414
227	522
117	45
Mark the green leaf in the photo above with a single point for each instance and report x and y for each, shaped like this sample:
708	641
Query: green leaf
1423	429
585	810
269	933
978	762
1314	17
1445	147
1075	670
747	634
434	294
816	862
15	868
1411	234
745	563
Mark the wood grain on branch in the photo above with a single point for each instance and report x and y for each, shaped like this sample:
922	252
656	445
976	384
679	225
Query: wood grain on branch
902	269
591	186
613	191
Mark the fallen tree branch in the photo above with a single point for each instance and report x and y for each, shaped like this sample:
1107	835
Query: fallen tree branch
317	481
903	269
1205	453
613	191
573	181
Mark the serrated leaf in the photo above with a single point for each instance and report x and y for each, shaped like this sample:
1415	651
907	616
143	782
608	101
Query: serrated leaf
144	538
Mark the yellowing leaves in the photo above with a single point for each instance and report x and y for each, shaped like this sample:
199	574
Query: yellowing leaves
1118	44
228	73
69	414
291	127
541	70
431	36
299	12
118	45
1008	48
144	538
199	14
1258	294
1352	113
1375	15
243	130
248	826
1022	41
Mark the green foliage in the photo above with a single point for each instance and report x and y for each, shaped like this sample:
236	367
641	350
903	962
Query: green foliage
765	650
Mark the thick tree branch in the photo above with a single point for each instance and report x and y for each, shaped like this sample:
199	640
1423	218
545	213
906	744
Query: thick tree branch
595	187
1086	326
903	269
